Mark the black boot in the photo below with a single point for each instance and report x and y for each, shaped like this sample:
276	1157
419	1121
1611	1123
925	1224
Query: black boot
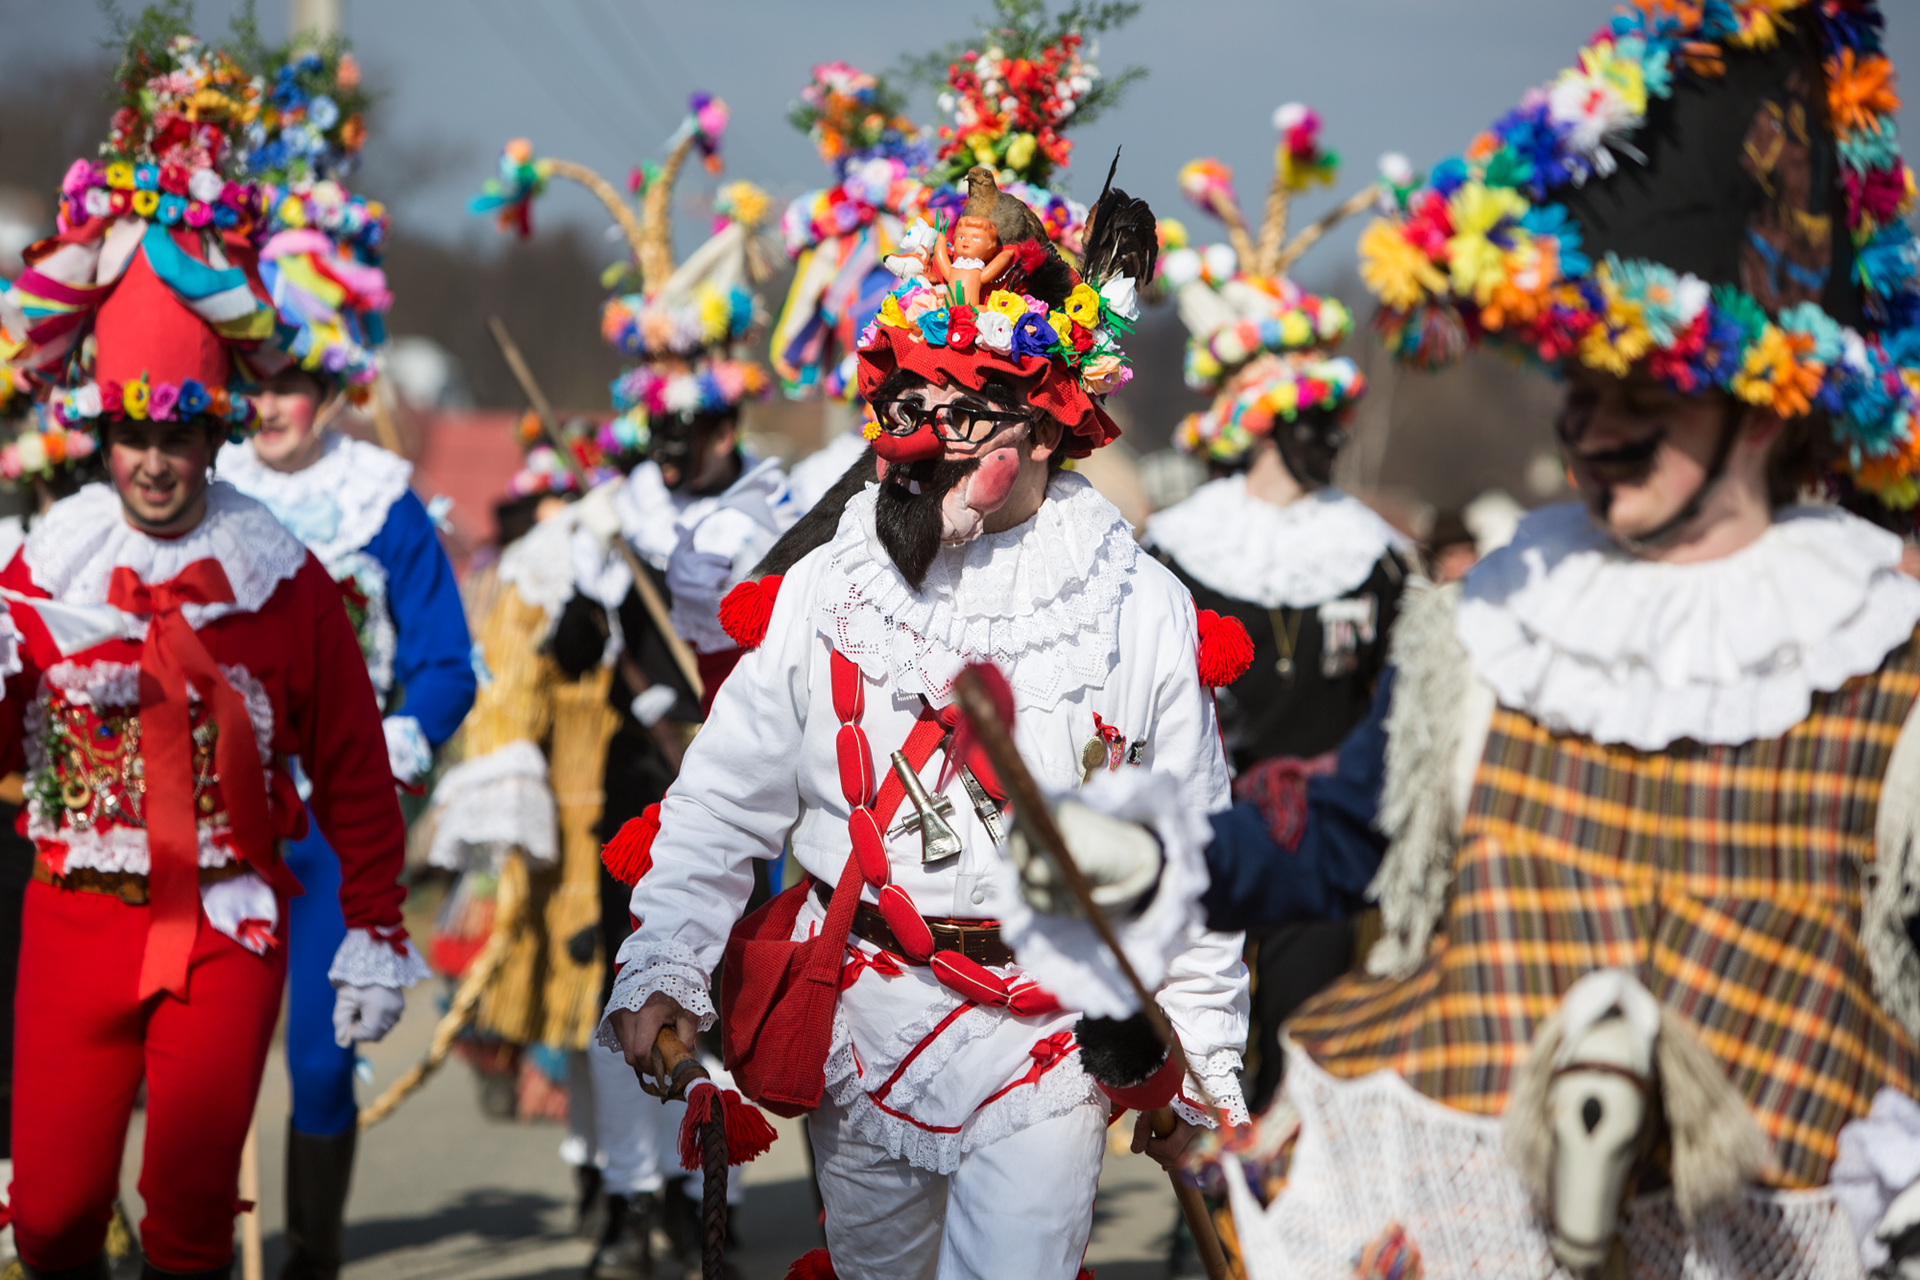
150	1272
319	1171
95	1270
587	1178
623	1252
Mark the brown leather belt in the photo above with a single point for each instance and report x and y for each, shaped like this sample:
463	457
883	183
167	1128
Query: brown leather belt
977	942
128	886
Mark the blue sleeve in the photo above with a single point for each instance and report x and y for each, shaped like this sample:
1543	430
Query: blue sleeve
1257	884
433	654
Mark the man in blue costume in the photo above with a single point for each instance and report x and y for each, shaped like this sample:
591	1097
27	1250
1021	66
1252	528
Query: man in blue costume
350	503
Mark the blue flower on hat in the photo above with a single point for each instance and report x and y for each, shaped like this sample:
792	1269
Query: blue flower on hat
1032	336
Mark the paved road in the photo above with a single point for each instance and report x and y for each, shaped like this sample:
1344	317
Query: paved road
443	1193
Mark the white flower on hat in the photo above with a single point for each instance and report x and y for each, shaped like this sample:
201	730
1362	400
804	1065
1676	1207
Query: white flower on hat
1289	115
682	394
1120	297
205	185
1220	261
1396	168
993	331
86	400
97	203
1181	267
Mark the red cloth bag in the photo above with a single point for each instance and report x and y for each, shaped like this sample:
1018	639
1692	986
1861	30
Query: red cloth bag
777	996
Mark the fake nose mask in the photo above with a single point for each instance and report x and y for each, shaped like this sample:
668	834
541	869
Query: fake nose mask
922	442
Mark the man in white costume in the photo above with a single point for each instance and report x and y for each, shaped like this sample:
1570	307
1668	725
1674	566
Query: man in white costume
957	1133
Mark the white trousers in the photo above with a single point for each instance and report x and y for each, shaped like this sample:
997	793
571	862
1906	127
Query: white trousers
638	1138
1022	1206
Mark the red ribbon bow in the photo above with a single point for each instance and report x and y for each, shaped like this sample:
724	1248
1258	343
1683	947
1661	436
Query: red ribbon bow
172	659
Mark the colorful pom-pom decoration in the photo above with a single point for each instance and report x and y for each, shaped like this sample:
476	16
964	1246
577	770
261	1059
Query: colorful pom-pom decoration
629	855
746	610
1225	650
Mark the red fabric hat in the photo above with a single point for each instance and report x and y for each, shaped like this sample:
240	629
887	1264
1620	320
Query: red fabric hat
143	328
1056	389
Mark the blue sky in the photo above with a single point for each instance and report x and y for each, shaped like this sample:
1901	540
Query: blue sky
604	82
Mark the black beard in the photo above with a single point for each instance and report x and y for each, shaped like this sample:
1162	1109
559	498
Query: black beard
909	523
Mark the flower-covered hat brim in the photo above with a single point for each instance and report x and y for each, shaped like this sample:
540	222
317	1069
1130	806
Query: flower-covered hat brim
1713	196
1054	389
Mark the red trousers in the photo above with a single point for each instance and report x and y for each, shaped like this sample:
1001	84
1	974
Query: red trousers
85	1043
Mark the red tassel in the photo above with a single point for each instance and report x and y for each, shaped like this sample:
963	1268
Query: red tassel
629	855
746	610
812	1266
748	1134
1032	254
1226	650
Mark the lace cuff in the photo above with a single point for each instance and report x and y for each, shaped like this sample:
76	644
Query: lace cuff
670	968
1219	1072
408	752
376	957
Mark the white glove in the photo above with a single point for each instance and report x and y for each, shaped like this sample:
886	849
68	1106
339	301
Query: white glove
365	1013
597	515
656	701
1120	859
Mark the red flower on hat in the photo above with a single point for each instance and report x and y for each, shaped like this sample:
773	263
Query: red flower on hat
961	330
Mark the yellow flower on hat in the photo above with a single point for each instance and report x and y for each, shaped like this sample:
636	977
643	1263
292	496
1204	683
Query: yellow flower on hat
120	176
145	202
1083	306
1478	264
1295	329
891	314
1063	325
136	396
1399	273
1010	305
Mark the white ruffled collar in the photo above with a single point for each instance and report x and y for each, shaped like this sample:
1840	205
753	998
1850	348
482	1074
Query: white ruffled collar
335	506
1587	639
1312	550
540	567
1041	599
74	550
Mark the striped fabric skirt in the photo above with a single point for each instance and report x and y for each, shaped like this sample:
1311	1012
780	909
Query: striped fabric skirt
1727	878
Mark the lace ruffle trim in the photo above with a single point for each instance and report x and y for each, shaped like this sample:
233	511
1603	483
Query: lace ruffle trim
1042	600
74	550
494	802
1587	639
1219	1072
364	960
1315	549
335	506
667	967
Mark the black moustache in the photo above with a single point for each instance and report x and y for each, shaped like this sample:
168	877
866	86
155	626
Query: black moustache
906	513
1629	461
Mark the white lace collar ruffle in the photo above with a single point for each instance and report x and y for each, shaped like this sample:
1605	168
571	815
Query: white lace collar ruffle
335	506
1042	600
73	552
1587	639
1312	550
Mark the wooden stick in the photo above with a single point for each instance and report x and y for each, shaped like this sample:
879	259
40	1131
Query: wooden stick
1193	1207
622	211
252	1262
1228	213
380	409
1359	202
642	579
1030	808
1273	227
466	1001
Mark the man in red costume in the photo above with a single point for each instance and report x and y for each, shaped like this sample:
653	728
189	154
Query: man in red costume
190	655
